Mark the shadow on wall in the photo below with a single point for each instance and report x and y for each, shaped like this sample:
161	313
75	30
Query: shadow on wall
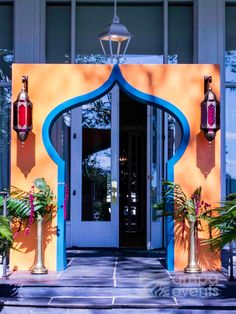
27	243
26	154
205	154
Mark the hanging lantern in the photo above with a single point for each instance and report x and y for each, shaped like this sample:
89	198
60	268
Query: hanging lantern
210	111
22	112
116	35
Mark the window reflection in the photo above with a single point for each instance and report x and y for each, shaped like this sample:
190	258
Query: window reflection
97	115
96	165
230	140
158	143
6	60
230	66
5	106
156	167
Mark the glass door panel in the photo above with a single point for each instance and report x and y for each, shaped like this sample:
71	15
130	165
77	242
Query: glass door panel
94	173
96	160
155	147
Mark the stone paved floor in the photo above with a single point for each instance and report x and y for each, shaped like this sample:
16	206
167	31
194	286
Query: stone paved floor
97	281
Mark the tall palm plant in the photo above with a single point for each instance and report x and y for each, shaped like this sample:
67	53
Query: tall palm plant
185	208
38	202
6	238
224	222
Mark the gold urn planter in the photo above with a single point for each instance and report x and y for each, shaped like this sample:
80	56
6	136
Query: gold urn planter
192	267
33	206
39	267
183	208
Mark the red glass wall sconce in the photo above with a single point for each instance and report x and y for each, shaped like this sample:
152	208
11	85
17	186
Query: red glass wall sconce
210	111
22	112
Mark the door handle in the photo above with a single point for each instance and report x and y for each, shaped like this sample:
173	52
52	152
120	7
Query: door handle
114	192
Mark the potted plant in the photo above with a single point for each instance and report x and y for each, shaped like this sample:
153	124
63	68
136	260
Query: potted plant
34	206
185	209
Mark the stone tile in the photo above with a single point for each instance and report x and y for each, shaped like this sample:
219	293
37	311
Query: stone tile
92	268
81	282
82	302
27	274
26	301
197	302
144	302
80	291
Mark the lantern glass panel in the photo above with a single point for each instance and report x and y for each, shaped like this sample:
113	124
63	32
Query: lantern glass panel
22	112
29	116
15	115
211	115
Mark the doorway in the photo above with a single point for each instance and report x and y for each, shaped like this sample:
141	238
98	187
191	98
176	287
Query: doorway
132	173
115	174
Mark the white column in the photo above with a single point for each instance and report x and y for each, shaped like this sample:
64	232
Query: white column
210	37
29	35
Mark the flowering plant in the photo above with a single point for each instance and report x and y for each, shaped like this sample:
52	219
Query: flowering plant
192	209
36	203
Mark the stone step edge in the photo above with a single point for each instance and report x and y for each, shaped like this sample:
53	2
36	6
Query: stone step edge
168	305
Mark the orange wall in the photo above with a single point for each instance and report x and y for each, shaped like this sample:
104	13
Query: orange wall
182	85
50	85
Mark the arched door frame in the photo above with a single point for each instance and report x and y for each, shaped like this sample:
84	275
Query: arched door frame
116	77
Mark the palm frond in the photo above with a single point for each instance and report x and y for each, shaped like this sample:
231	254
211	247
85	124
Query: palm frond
6	238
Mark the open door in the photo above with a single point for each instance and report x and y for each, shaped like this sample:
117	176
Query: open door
95	173
155	155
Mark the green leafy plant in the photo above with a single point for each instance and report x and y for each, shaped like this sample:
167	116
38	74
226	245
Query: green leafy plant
38	202
6	238
223	222
185	208
20	202
176	204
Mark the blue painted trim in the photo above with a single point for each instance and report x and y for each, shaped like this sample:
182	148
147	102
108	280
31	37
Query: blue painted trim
115	77
47	126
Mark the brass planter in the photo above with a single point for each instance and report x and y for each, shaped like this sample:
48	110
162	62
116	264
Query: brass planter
192	267
39	267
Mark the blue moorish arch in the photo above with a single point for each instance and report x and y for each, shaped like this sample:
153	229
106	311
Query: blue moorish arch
115	77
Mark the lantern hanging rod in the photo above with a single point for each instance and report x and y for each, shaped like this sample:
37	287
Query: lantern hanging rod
207	83
116	19
25	83
115	8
